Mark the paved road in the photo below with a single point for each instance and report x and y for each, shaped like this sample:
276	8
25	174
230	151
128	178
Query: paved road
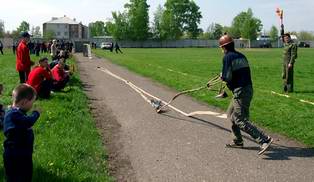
146	146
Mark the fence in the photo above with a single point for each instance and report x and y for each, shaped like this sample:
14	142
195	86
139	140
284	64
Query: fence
8	42
190	43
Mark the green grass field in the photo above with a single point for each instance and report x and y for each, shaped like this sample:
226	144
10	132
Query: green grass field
68	146
191	67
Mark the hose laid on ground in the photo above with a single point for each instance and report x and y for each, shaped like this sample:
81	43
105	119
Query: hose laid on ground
210	83
144	95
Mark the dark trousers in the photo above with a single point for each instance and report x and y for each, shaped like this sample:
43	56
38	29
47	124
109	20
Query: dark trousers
23	76
59	85
18	168
118	50
45	88
238	113
1	50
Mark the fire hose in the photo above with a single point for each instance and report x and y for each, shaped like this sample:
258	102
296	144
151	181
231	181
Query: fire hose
156	102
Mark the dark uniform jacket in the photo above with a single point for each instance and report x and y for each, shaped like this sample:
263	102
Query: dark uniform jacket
18	131
236	71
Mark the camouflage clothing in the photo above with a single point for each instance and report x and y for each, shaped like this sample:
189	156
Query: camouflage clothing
289	56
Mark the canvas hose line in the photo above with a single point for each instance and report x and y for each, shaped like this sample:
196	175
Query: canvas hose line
145	95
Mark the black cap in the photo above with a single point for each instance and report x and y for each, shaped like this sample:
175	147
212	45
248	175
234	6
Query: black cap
25	35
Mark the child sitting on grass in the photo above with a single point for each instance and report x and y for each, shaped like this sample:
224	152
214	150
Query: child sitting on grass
40	79
60	76
18	145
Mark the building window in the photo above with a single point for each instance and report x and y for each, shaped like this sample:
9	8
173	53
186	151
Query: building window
58	33
65	33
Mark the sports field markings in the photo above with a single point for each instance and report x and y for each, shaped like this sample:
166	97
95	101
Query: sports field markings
288	96
171	70
144	94
272	92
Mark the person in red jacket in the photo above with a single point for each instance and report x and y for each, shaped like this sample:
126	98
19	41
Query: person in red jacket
23	60
60	76
40	79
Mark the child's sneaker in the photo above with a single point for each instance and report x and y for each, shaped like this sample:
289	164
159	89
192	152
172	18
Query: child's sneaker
265	145
235	145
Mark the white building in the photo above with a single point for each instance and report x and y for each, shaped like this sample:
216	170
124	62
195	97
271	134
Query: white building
65	28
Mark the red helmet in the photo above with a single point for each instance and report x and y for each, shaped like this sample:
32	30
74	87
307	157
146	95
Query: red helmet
224	40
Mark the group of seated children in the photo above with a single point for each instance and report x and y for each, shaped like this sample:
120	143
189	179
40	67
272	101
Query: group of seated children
17	124
45	78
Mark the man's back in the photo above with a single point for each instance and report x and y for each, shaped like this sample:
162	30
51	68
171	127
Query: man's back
236	71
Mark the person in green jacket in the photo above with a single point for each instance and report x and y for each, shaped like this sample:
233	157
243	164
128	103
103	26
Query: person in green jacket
289	57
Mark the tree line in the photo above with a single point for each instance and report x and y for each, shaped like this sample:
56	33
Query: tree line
176	19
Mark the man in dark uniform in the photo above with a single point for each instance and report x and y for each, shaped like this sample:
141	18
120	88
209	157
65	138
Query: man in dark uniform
237	75
117	47
1	47
289	56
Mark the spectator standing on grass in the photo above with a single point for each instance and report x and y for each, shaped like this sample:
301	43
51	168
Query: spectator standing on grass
19	136
1	47
14	47
289	57
53	50
23	60
117	47
236	73
40	79
37	48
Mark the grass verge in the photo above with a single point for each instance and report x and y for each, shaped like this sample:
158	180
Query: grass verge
68	146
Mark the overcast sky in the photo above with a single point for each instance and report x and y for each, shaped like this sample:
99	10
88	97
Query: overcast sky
299	14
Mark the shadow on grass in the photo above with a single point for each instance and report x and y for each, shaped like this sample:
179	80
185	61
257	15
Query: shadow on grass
304	91
275	151
40	174
75	81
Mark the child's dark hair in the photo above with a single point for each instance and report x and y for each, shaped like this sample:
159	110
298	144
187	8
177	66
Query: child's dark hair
43	59
23	91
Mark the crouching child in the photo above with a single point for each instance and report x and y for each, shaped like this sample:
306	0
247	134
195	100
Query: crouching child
60	76
19	136
40	79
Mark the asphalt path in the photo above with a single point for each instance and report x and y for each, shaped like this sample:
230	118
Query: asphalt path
146	146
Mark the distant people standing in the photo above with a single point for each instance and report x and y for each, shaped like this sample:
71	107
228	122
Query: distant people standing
23	60
14	47
37	48
111	47
53	50
49	47
1	47
31	47
117	47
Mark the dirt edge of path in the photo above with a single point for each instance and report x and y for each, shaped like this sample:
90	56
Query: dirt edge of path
119	165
